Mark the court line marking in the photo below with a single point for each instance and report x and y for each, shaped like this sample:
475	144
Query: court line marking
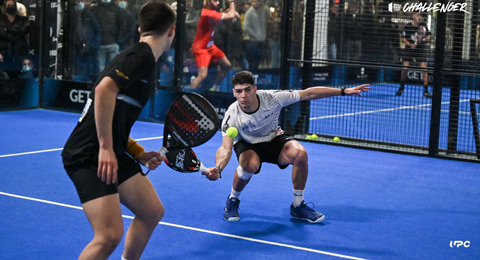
196	229
59	149
383	110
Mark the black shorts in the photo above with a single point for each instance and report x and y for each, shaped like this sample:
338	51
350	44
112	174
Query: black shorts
267	151
89	186
414	55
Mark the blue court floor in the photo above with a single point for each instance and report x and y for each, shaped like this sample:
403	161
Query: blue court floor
377	205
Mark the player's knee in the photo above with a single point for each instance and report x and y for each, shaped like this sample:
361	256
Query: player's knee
158	214
108	240
153	215
202	74
245	173
301	157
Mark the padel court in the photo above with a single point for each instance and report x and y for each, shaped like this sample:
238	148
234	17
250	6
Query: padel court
378	205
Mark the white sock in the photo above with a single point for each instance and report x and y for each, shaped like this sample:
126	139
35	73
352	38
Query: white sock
234	194
123	258
297	197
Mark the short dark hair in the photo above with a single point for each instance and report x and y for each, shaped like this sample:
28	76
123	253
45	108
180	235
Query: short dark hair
243	77
156	17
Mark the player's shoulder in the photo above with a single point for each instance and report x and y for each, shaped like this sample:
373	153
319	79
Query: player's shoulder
139	51
233	108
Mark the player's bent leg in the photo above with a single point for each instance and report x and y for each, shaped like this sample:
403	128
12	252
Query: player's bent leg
202	75
249	163
139	195
225	66
105	217
295	154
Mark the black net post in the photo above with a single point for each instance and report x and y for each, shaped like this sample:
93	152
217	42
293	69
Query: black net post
437	83
473	111
303	120
455	88
179	45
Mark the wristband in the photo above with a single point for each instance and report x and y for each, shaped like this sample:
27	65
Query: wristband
220	170
342	91
134	149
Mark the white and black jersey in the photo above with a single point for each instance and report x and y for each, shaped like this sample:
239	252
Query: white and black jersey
262	124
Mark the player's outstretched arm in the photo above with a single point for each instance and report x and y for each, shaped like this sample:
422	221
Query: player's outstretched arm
222	157
323	92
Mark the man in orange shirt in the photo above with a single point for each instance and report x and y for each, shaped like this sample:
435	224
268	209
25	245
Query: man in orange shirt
203	48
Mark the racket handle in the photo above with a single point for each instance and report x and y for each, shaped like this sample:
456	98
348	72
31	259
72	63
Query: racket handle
203	168
162	152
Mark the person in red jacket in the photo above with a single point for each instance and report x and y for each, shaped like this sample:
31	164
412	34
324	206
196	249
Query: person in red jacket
203	47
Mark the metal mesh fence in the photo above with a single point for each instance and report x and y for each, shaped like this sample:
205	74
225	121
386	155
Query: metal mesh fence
400	48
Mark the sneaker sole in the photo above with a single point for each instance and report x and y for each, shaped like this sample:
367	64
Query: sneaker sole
233	219
319	220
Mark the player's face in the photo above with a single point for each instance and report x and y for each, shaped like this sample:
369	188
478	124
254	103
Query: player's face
417	17
246	96
214	4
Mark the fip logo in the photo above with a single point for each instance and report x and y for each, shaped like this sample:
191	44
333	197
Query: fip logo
458	243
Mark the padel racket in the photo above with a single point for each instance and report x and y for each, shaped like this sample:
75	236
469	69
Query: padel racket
191	121
184	160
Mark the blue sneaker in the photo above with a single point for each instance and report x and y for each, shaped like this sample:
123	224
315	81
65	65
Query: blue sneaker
305	212
231	210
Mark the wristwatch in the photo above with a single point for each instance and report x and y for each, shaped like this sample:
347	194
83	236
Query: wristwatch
220	170
342	91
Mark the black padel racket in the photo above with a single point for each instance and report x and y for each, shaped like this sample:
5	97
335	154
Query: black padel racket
191	121
184	160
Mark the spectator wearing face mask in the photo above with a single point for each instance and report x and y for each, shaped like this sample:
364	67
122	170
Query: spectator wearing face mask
28	69
87	39
112	24
14	31
130	25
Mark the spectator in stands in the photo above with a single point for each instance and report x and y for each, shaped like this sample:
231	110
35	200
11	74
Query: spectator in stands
3	74
112	23
416	37
273	31
87	39
191	21
255	28
203	47
297	30
14	31
226	38
354	28
334	30
28	69
130	25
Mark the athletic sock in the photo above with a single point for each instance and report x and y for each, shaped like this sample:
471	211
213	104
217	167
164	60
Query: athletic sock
123	258
297	197
234	194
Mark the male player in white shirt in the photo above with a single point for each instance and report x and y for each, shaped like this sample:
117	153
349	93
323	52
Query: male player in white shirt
255	114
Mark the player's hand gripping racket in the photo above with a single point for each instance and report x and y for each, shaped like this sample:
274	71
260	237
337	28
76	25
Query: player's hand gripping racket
191	121
184	160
